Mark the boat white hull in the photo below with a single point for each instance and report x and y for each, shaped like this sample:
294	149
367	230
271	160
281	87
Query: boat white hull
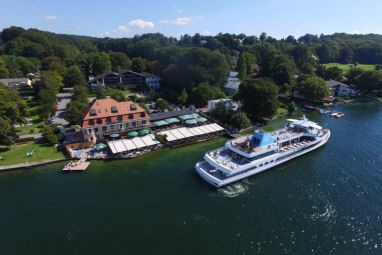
278	159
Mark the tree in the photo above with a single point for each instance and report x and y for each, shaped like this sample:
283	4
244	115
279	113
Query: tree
240	120
138	65
195	66
353	73
7	133
119	61
100	91
118	95
334	73
369	80
11	33
73	111
245	64
95	63
314	88
183	97
221	113
50	134
302	54
162	104
204	92
73	76
259	98
346	55
12	107
75	107
263	37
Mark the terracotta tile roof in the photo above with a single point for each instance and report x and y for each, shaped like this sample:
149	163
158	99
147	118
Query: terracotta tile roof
103	108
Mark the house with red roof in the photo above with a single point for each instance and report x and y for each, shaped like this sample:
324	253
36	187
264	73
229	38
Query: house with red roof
106	118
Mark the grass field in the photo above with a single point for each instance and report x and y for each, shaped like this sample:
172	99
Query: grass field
18	154
33	111
346	67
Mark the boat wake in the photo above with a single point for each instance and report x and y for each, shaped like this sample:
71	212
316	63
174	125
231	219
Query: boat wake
325	215
233	190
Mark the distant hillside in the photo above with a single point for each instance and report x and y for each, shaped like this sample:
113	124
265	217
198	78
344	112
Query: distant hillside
190	59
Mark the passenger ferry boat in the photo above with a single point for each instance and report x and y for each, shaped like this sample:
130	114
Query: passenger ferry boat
248	155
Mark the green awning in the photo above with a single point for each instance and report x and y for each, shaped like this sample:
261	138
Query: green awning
194	115
132	133
186	117
161	123
201	119
191	122
172	120
144	131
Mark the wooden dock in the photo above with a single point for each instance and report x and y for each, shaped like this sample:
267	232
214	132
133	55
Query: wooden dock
81	165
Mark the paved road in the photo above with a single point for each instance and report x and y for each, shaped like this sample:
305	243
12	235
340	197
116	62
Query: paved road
59	115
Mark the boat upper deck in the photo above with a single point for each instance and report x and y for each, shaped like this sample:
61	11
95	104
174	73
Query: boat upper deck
242	146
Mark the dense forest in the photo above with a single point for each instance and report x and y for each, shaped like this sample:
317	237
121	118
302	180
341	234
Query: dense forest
193	68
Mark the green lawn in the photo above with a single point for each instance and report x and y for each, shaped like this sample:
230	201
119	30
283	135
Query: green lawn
33	111
346	67
17	154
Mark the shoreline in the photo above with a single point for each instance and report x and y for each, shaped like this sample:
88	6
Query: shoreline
46	162
31	165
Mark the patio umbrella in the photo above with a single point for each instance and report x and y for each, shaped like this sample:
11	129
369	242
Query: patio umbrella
191	122
99	146
132	133
201	119
172	120
144	132
186	117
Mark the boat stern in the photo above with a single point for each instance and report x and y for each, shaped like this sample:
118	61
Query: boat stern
202	169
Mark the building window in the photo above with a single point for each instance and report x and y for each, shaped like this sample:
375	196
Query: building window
134	123
131	116
120	118
99	121
93	112
114	109
96	130
112	127
108	119
91	122
126	125
104	128
143	114
144	122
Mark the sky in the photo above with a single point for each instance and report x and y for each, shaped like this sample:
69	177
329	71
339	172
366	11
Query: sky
126	18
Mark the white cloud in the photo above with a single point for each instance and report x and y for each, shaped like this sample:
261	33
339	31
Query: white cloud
181	21
206	32
50	17
122	29
136	24
141	24
177	9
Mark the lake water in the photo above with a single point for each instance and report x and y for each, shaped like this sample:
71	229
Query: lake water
326	202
